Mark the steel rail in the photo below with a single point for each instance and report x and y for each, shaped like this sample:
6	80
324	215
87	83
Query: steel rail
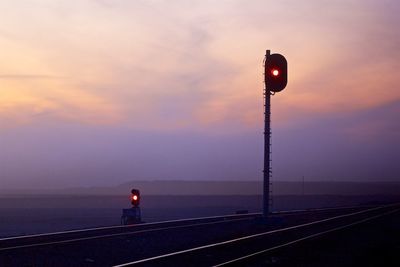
128	226
72	240
224	219
321	209
305	238
174	221
249	237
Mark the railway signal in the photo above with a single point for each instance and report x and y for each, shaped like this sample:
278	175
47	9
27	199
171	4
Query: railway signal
275	72
132	215
275	78
135	197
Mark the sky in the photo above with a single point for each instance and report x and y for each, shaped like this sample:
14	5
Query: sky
96	93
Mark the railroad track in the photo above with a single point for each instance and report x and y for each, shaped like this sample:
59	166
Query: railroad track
246	247
73	236
172	243
37	240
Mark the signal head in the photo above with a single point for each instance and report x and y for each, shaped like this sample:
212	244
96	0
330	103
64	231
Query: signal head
135	197
275	72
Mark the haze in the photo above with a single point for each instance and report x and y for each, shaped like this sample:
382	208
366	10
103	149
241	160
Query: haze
97	93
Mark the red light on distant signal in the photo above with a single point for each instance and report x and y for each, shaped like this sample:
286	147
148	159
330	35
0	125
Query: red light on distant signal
135	197
275	72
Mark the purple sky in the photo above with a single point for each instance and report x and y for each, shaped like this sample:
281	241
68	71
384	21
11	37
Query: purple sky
102	92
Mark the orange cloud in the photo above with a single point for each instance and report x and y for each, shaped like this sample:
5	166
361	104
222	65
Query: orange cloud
22	101
135	63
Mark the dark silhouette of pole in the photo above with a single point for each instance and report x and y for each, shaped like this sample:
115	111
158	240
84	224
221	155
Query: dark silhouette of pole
275	75
267	145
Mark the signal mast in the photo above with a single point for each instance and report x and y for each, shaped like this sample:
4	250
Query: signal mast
132	215
275	78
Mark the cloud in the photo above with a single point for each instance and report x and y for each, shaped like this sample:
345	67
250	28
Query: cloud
379	123
189	66
27	76
108	88
55	99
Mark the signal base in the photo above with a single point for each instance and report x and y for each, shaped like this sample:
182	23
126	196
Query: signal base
131	216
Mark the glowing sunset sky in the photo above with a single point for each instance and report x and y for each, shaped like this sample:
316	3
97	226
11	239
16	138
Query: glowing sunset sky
102	92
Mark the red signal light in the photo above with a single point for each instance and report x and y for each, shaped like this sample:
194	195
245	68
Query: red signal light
275	72
135	197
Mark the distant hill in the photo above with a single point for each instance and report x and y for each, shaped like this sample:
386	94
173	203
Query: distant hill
226	188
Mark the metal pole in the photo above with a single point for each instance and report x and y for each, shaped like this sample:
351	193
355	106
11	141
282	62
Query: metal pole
267	144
